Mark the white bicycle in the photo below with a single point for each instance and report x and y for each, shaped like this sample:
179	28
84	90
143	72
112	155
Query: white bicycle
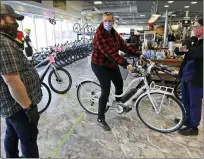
156	106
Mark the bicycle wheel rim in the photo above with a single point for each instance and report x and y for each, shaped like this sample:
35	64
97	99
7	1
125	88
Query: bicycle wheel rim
46	98
170	110
88	93
60	84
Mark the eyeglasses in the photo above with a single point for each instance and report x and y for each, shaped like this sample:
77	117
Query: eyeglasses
108	13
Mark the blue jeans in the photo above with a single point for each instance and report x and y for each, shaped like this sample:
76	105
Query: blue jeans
192	100
19	128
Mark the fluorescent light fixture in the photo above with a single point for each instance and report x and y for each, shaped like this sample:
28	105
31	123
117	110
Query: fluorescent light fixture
97	2
194	2
116	16
142	15
173	15
186	6
154	17
124	22
170	1
166	6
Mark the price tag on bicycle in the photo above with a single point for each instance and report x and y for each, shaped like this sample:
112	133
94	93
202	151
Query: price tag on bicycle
52	58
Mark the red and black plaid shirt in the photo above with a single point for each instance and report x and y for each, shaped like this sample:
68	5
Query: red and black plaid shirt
106	47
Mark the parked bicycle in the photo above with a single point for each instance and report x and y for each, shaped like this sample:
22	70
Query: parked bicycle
156	105
59	79
87	28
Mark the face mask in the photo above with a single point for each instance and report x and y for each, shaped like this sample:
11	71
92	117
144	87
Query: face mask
198	32
108	25
10	29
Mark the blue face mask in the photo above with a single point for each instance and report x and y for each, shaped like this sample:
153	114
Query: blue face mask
108	25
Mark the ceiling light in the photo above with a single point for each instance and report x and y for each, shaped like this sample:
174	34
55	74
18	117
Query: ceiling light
186	6
166	6
173	15
116	16
97	2
170	1
142	15
194	2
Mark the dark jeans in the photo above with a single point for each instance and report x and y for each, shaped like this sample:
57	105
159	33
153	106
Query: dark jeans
105	76
192	100
19	128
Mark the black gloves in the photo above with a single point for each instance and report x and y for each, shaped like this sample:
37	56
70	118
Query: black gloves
32	113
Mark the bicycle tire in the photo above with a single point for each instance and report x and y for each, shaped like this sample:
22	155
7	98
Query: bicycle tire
52	87
177	92
78	97
49	98
179	125
76	27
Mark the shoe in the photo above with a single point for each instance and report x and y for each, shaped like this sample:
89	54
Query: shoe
102	123
188	131
126	109
176	121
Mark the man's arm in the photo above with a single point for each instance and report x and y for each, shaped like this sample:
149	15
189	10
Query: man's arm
17	89
10	66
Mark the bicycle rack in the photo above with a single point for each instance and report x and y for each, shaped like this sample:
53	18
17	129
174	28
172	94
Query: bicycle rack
153	86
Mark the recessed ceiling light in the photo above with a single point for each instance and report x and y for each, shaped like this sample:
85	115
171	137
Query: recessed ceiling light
142	15
194	2
186	6
97	2
166	6
170	1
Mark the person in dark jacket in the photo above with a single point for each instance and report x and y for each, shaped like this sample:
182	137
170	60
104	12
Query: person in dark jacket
191	73
105	60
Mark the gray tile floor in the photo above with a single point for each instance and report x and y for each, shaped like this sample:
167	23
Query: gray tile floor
129	137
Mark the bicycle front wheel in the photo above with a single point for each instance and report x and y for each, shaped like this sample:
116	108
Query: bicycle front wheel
178	91
162	117
46	98
60	81
88	94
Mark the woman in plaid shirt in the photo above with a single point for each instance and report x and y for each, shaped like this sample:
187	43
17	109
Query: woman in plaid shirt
105	60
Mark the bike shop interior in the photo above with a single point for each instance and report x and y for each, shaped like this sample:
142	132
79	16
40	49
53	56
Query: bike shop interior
62	34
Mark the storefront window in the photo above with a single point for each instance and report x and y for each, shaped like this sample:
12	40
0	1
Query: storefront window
72	36
28	23
58	32
50	33
40	31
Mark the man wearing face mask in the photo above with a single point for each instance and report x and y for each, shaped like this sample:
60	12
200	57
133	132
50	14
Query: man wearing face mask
105	60
20	90
191	73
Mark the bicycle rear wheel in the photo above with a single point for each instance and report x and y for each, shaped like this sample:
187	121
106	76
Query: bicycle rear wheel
170	109
88	94
178	91
60	81
46	99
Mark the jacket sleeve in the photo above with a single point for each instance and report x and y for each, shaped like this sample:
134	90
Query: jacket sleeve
110	52
177	52
196	51
128	49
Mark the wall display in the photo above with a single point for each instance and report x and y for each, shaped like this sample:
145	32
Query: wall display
60	4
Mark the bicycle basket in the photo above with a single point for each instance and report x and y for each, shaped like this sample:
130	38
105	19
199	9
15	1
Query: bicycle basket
124	72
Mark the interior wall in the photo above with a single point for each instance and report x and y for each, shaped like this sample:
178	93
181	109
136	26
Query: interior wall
46	8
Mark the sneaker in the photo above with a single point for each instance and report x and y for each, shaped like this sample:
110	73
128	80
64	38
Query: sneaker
102	123
176	121
188	131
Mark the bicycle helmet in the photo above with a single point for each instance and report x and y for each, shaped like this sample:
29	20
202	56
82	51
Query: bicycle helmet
27	30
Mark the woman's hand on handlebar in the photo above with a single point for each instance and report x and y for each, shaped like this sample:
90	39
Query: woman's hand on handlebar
130	68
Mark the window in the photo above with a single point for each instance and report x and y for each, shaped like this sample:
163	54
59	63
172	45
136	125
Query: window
29	23
58	31
40	31
50	33
65	33
72	36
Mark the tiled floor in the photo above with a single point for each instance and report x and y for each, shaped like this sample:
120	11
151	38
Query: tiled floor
129	137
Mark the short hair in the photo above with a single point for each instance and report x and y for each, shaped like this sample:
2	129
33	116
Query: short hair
108	14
